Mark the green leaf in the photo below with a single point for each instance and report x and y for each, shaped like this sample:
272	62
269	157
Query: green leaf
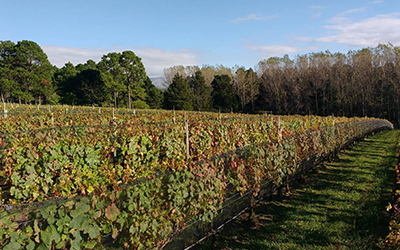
31	245
143	226
30	169
85	222
82	207
54	234
90	244
114	233
96	214
36	227
94	231
133	229
44	212
154	224
106	228
60	244
50	235
76	243
76	222
12	190
42	247
12	246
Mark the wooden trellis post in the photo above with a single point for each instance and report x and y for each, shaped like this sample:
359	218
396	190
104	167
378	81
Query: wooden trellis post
187	138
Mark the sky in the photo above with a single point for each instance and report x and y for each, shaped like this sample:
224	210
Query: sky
182	32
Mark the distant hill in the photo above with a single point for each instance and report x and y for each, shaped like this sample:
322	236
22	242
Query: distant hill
159	82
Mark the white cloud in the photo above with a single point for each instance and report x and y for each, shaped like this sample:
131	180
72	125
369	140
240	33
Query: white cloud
154	60
60	55
318	7
303	38
350	11
254	17
278	50
367	32
317	15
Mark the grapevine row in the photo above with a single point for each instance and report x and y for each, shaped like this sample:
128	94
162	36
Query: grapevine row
133	179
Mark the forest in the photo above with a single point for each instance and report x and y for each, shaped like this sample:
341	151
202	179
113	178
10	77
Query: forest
363	82
360	83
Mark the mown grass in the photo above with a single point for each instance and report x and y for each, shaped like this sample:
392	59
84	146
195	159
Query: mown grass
339	205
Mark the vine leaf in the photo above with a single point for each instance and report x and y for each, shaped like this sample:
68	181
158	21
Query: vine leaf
49	235
112	212
12	246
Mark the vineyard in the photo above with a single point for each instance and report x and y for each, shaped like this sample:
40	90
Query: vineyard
79	178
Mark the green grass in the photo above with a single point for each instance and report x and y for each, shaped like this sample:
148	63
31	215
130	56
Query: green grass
339	205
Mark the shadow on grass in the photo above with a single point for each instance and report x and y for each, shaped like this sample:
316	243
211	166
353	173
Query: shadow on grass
340	205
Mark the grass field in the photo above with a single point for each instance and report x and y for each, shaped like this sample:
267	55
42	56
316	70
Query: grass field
339	205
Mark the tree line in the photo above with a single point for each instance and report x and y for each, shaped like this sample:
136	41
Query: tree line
362	82
119	79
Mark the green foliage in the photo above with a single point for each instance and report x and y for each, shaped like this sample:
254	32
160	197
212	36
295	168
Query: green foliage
154	96
223	94
25	73
112	74
134	75
118	78
81	85
124	73
92	90
140	104
178	95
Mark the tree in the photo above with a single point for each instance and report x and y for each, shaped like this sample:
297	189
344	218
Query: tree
25	72
124	73
66	83
246	86
178	95
184	71
170	73
201	92
154	97
272	94
252	87
81	84
36	70
209	72
341	76
111	73
240	82
362	79
223	94
134	76
7	82
91	88
222	70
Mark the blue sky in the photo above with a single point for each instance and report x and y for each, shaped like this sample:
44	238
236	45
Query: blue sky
175	32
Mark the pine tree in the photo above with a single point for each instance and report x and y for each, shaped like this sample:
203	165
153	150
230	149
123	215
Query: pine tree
178	95
223	94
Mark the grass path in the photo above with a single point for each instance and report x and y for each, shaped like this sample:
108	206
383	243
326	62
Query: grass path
340	205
